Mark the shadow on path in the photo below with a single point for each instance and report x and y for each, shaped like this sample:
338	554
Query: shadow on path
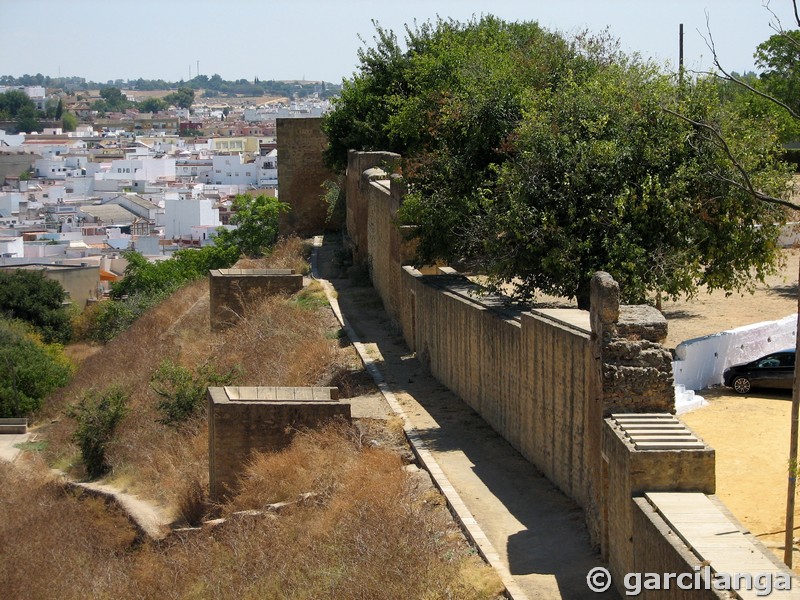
540	531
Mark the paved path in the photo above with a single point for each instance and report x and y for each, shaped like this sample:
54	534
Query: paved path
8	442
533	535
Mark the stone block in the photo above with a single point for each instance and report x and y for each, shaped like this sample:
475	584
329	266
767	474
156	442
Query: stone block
243	420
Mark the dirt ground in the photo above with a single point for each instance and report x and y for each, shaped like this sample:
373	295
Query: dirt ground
750	434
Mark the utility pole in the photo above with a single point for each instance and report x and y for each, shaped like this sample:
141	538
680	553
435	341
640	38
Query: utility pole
788	539
680	54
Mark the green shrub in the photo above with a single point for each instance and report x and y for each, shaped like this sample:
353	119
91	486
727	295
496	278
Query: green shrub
105	321
29	369
183	391
31	297
98	416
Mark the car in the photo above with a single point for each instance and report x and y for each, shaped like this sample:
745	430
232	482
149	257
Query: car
775	370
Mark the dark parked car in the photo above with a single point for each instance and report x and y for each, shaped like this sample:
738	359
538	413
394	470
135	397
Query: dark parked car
774	370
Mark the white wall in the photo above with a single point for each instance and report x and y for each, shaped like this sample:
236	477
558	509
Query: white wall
229	170
701	361
13	246
181	215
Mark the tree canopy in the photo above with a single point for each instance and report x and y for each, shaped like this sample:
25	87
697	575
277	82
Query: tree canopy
29	369
256	220
540	160
31	297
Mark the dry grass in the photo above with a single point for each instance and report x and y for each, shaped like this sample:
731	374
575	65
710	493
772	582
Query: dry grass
279	342
371	530
290	253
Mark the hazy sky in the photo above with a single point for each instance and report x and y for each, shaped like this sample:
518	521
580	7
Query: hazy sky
318	39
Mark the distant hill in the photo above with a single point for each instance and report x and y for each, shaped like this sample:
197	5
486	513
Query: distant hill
213	86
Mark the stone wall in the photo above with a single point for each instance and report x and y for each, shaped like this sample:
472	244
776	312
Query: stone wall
660	550
232	290
652	452
362	169
301	172
243	420
543	379
636	373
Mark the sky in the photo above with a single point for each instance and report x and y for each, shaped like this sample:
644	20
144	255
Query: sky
103	40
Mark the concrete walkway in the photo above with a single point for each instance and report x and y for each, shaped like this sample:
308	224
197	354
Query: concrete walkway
530	532
8	445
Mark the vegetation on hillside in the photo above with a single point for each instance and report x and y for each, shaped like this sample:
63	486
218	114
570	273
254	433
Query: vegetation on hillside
34	325
30	369
357	523
366	529
39	301
147	283
539	160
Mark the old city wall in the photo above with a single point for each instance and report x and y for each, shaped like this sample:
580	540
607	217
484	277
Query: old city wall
549	381
540	378
301	172
232	291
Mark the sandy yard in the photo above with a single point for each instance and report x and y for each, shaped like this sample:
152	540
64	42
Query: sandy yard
750	434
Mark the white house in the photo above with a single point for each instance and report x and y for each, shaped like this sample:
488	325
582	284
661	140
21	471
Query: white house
182	214
230	170
11	246
141	207
148	169
268	169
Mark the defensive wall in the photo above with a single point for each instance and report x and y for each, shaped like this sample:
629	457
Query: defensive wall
557	384
301	172
243	420
232	290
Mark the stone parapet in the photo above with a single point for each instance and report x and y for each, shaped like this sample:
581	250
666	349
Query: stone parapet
232	291
243	420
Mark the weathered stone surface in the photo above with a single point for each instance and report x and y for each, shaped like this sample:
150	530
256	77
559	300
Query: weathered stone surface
243	420
604	298
301	172
640	321
233	290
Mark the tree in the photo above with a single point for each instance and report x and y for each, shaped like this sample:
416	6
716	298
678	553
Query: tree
183	98
146	278
69	121
13	102
540	160
152	105
780	60
31	297
28	119
114	99
604	179
29	369
256	221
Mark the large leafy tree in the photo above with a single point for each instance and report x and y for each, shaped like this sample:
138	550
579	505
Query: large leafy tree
779	57
31	297
542	160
